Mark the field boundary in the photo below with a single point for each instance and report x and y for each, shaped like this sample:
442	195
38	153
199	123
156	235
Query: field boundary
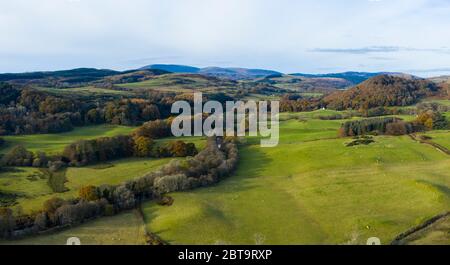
433	144
150	238
424	225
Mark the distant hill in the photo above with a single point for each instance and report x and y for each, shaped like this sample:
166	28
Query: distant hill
77	77
382	90
173	68
440	79
306	84
353	77
237	73
229	73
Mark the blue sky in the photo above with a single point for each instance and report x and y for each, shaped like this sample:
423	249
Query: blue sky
313	36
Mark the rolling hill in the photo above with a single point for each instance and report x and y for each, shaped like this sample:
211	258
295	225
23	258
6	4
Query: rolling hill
382	90
229	73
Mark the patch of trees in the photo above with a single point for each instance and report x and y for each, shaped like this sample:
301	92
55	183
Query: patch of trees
8	94
98	150
379	91
30	111
432	120
216	161
296	103
103	149
387	125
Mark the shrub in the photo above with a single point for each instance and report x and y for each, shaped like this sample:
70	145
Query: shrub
18	156
88	193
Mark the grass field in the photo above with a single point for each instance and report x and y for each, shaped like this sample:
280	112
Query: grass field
174	83
435	234
55	143
88	91
440	137
32	194
311	189
123	229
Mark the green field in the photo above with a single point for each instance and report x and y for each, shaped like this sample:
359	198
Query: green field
32	194
174	83
88	91
440	137
55	143
311	189
434	234
123	229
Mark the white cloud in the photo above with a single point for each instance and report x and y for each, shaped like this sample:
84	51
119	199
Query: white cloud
52	34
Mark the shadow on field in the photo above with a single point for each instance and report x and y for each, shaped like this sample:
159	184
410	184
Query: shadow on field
252	163
443	189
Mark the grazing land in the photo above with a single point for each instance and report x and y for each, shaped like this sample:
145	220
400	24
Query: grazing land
31	194
123	229
55	143
313	189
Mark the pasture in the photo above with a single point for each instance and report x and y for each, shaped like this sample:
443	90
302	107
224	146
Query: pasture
312	189
123	229
31	194
55	143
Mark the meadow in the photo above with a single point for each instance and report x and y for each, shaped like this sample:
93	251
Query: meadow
123	229
33	193
312	189
55	143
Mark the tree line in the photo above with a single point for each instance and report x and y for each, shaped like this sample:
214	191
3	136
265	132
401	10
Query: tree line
427	119
30	111
218	160
140	143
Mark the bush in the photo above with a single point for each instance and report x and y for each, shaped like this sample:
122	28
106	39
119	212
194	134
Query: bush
88	193
18	156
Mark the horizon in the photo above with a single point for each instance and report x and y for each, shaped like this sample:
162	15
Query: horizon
407	36
229	67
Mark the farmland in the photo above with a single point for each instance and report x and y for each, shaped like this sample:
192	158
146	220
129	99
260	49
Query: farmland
55	143
124	229
313	189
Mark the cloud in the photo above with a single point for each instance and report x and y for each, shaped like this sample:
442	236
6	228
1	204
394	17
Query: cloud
118	34
379	49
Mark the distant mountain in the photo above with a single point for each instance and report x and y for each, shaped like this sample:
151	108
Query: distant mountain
74	75
353	77
305	84
174	68
440	79
383	90
77	77
237	73
229	73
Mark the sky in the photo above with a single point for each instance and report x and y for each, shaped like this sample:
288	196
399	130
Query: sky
309	36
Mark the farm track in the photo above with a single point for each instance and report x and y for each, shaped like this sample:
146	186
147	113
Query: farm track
435	145
400	238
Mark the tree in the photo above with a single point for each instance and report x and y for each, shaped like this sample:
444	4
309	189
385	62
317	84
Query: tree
18	156
143	146
181	149
89	193
7	222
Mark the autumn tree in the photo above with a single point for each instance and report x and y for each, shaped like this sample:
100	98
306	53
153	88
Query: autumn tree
88	193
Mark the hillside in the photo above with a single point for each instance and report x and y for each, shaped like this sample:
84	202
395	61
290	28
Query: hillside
352	77
228	73
306	84
237	73
77	77
174	68
383	90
